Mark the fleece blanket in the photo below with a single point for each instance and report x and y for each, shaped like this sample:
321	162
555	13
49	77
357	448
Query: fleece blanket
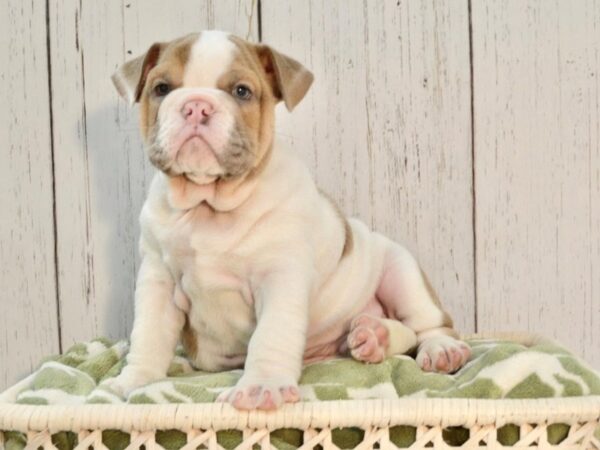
497	369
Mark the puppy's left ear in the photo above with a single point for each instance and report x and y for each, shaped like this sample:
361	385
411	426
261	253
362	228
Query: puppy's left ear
289	79
130	78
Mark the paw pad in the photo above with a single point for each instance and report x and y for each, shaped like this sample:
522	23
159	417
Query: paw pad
368	339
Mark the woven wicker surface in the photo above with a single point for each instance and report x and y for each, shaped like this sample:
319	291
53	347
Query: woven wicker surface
359	413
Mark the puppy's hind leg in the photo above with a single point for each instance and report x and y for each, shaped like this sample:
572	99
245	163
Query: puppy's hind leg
407	296
372	338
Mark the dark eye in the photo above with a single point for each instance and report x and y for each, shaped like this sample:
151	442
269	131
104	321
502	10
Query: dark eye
162	89
242	92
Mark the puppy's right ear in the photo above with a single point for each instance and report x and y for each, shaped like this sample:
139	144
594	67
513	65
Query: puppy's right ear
130	78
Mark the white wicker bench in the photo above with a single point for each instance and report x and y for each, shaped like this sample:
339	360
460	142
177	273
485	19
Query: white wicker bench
201	422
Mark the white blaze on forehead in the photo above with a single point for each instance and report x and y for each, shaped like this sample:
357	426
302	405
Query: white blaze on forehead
210	57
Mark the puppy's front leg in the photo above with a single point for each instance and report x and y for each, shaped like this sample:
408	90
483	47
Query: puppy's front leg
156	327
274	359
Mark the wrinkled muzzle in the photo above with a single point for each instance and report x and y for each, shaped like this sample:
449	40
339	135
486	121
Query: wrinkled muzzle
198	132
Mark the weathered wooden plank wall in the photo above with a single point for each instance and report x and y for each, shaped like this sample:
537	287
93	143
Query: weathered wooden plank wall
536	72
469	132
28	319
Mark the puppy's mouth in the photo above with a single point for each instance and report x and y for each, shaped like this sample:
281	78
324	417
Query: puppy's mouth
196	148
203	156
192	138
191	152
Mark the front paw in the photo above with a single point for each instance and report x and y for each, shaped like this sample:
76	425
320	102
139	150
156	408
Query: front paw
128	380
265	394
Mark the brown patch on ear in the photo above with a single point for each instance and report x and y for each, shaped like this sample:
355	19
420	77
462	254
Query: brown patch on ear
289	79
149	62
131	77
446	319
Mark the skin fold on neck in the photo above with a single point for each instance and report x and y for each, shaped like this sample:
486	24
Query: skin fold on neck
222	195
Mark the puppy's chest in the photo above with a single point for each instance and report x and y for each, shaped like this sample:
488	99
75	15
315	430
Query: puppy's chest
210	273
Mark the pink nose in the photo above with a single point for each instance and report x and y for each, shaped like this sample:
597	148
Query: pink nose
197	111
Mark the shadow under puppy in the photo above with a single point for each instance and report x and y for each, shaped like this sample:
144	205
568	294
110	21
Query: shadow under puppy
243	258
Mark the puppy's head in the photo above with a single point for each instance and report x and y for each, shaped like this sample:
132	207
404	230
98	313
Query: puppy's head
207	102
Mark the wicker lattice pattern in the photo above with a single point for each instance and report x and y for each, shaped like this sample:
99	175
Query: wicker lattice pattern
317	420
485	437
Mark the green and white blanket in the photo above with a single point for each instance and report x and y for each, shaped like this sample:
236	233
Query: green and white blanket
497	369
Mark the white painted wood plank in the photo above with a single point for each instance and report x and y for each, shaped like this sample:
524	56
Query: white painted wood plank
28	323
102	173
386	128
537	165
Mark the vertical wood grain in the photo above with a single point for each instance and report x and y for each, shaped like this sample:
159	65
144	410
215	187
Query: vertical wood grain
28	322
101	168
537	165
386	128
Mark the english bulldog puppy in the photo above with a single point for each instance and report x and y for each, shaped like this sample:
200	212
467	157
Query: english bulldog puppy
243	258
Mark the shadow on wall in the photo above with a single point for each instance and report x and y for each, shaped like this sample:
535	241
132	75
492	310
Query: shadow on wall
119	175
